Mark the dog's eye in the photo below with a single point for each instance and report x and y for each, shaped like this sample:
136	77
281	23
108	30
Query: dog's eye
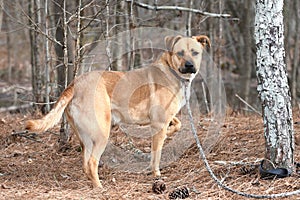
180	53
195	53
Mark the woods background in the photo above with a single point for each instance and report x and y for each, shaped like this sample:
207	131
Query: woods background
43	40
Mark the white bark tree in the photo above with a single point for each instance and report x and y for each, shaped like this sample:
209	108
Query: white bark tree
273	85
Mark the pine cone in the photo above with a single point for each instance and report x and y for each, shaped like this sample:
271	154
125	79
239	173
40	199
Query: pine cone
179	193
158	187
248	169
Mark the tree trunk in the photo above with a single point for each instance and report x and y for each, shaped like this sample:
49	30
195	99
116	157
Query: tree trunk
47	57
64	129
116	47
63	52
273	85
247	52
34	14
189	19
295	64
78	41
1	13
132	23
60	49
107	35
8	46
59	35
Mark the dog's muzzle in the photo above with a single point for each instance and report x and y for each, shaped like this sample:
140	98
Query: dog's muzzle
187	68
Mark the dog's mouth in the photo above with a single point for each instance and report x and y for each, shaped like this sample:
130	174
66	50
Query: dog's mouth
187	70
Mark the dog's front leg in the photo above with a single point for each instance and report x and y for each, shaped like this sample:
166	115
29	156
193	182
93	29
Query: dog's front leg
157	143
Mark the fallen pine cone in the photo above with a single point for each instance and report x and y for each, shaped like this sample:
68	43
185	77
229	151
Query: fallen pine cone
248	169
179	193
159	186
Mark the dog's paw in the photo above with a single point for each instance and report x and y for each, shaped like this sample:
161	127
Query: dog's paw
157	173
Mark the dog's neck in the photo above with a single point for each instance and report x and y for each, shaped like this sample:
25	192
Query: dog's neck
179	77
164	60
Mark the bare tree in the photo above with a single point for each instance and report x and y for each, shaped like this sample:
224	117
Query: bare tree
246	32
59	35
64	129
8	46
78	40
132	23
107	34
35	21
1	12
273	85
47	57
189	19
296	61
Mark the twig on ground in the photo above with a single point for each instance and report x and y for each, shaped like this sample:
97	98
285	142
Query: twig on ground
234	163
27	135
252	108
205	97
225	176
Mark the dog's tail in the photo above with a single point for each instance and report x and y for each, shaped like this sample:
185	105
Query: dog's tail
53	117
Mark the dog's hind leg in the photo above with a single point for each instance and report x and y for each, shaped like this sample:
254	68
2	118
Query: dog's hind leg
93	147
98	132
85	143
93	136
98	148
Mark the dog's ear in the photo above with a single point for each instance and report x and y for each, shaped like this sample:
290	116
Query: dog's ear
204	40
170	41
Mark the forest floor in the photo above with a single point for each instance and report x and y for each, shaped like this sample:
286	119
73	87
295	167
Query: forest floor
33	167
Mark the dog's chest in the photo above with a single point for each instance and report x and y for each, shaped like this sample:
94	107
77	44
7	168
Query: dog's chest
185	93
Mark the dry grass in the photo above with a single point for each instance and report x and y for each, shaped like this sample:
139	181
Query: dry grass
33	170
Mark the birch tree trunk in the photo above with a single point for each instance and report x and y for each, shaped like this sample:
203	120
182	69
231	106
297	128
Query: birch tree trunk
273	85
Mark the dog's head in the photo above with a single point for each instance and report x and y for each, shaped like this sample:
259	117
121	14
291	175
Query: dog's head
186	53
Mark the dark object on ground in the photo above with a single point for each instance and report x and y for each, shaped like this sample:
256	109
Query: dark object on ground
273	173
179	193
159	186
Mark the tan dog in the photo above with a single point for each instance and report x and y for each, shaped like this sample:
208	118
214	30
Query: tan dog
149	96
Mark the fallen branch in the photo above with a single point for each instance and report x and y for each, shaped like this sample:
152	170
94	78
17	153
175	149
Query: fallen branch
205	97
252	108
27	135
179	8
236	163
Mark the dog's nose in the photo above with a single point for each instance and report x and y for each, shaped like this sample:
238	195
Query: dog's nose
188	64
